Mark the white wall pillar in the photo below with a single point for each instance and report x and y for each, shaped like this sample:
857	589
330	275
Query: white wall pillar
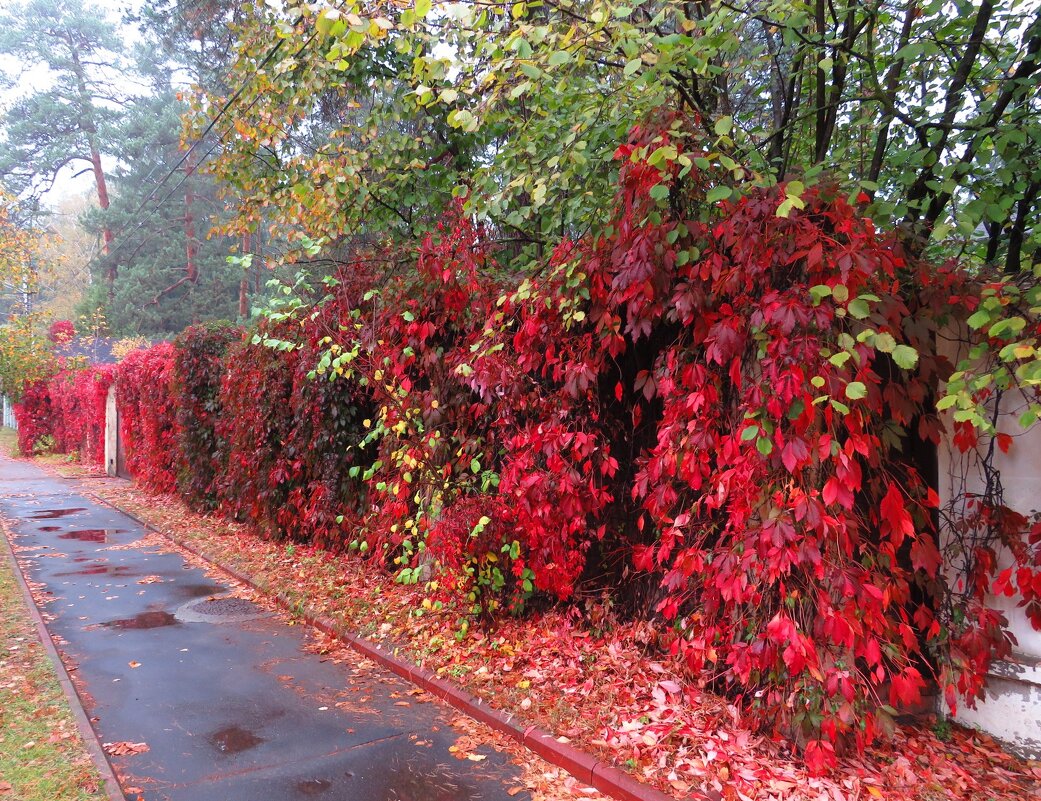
113	449
1011	708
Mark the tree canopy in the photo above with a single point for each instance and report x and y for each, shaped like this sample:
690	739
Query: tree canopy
355	119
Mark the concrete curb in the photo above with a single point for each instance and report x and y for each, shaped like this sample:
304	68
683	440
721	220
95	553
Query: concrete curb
87	733
583	766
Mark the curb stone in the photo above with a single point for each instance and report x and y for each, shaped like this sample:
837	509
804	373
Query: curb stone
90	738
583	766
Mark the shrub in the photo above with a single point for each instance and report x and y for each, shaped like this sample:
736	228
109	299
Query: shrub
198	370
61	332
78	403
256	422
33	413
147	416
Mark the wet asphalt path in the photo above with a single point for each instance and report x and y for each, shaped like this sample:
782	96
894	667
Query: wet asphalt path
229	701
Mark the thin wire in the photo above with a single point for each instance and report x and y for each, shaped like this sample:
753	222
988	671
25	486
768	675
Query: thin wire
223	110
126	232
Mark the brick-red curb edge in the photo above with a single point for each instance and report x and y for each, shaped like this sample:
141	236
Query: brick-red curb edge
583	766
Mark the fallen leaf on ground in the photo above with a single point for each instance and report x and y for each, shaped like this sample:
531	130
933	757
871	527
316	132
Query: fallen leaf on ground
124	748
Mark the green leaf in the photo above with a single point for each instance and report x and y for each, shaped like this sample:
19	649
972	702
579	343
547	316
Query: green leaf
885	342
723	126
325	21
631	66
749	433
855	390
858	307
819	292
979	319
718	193
423	8
659	192
764	446
559	57
905	356
663	153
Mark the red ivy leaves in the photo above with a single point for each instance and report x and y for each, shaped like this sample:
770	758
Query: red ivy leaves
693	394
69	408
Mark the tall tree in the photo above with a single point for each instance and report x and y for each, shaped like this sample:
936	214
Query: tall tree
73	50
18	273
171	274
192	43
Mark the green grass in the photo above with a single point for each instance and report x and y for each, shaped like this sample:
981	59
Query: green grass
9	441
42	756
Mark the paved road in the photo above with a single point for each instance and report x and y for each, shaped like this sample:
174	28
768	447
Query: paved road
226	696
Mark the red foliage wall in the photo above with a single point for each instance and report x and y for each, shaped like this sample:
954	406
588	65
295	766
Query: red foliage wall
33	413
69	408
78	401
723	399
148	416
199	366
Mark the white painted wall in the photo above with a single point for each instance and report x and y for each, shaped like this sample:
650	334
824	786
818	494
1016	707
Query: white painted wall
1011	710
9	421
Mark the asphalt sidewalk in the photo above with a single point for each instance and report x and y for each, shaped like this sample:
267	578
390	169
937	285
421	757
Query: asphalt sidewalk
226	694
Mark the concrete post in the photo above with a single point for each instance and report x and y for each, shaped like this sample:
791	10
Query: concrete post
113	445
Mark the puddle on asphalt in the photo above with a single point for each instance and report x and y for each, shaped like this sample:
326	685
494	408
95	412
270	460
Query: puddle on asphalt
198	590
50	514
117	571
145	620
313	786
234	740
89	534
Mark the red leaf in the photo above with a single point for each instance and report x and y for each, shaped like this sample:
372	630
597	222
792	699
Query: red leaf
896	521
925	556
820	755
795	454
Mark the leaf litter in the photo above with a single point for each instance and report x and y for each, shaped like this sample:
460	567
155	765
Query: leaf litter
609	692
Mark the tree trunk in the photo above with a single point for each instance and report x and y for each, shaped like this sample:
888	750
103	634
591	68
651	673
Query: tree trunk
91	130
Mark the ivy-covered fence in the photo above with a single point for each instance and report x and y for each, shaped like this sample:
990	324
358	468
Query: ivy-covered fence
718	413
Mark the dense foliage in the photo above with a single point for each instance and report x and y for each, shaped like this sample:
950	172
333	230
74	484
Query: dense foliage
635	301
148	416
198	369
727	404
